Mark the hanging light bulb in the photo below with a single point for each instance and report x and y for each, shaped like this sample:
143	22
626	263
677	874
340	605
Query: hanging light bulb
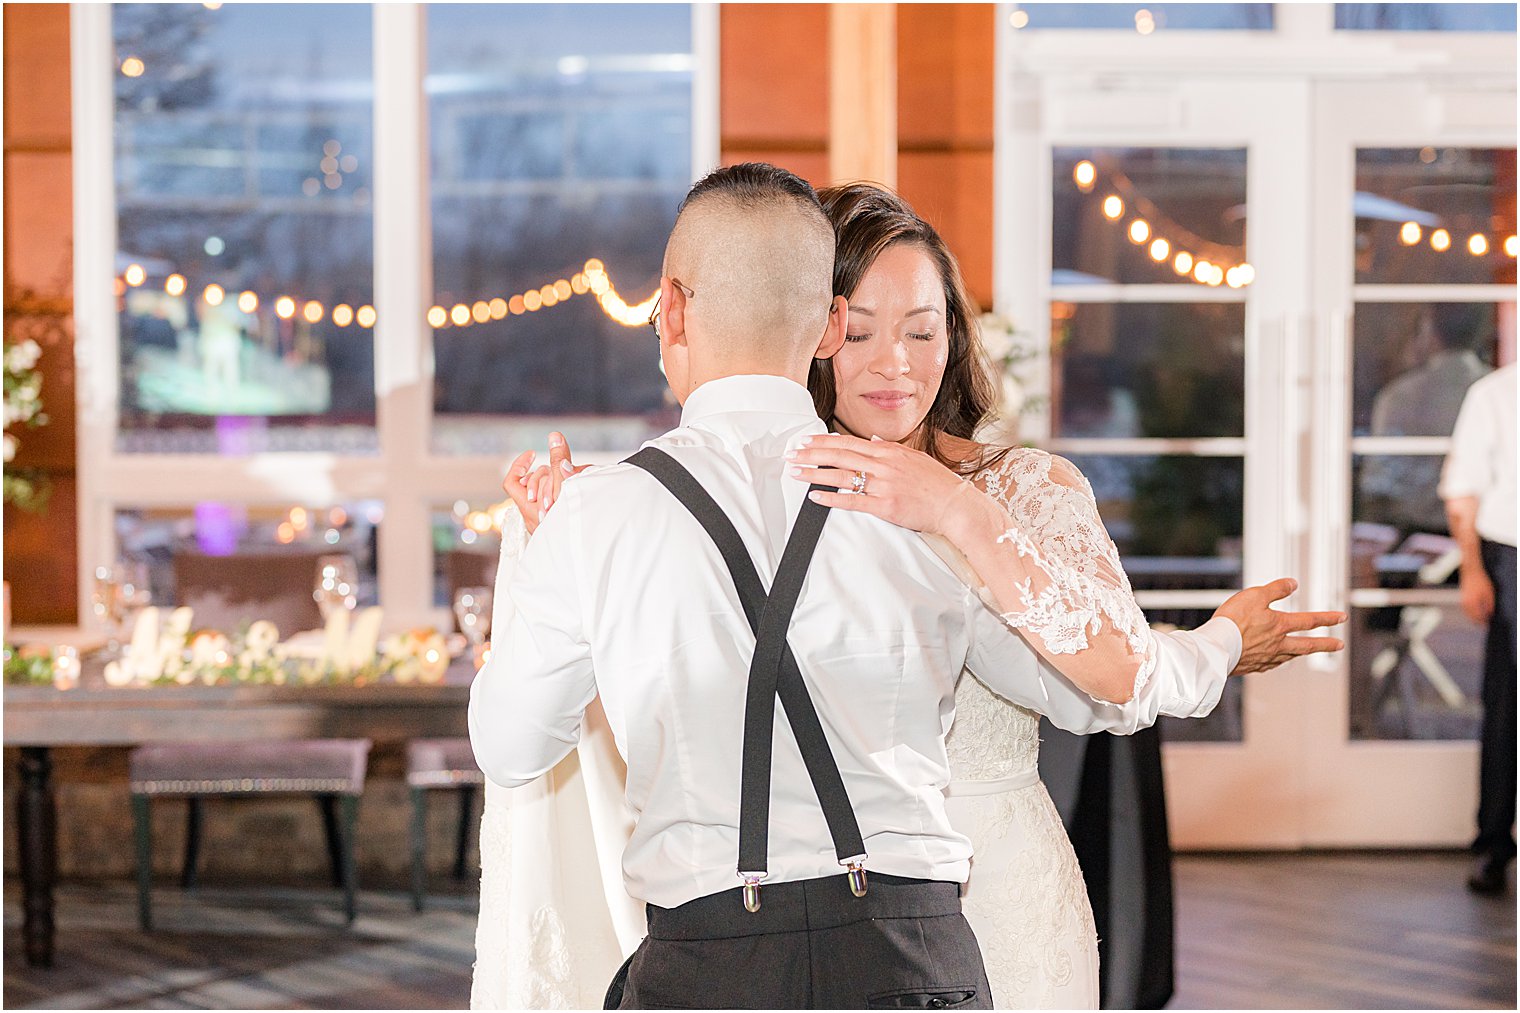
248	302
366	316
135	275
1510	246
342	315
1113	207
1139	231
312	312
214	294
175	284
1203	271
284	307
460	315
437	317
1477	244
1440	240
1184	263
1085	174
1247	274
1409	233
1160	250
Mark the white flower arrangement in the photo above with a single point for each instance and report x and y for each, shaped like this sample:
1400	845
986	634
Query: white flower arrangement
23	407
1011	355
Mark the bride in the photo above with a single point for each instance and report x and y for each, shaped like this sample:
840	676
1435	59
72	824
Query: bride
555	921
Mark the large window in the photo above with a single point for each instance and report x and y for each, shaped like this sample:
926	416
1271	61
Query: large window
250	393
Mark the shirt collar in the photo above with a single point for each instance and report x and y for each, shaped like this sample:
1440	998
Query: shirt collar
771	395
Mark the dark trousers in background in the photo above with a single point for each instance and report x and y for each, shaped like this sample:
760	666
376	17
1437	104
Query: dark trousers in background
1111	796
1496	779
812	945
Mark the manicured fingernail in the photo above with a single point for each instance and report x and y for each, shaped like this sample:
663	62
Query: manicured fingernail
556	440
796	472
532	495
791	455
806	440
567	467
875	438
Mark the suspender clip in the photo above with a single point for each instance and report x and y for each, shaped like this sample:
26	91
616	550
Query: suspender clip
857	874
752	890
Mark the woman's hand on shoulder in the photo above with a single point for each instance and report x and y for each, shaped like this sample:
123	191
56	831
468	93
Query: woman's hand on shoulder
900	485
534	490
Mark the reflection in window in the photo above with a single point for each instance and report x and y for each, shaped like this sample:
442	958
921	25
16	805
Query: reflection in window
1416	673
1148	369
561	146
1399	521
1145	18
1415	361
245	253
1437	17
1150	216
233	562
1435	215
1175	518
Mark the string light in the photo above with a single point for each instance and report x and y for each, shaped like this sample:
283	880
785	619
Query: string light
1145	22
1477	244
1139	231
132	67
1509	246
1085	175
1184	263
1409	233
593	280
1160	250
1113	207
1440	240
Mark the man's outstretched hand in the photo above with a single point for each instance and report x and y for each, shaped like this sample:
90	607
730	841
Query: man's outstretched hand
1264	631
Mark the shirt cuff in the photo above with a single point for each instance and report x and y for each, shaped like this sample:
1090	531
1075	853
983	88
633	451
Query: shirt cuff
1224	634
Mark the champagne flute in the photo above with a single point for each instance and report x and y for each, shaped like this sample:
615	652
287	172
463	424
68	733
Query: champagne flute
472	607
337	585
121	592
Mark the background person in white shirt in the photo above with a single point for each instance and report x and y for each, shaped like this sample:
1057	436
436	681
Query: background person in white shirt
1478	485
616	573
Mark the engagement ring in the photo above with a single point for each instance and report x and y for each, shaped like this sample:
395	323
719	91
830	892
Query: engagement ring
858	483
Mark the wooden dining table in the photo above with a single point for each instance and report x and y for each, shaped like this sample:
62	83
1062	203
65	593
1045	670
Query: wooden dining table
39	718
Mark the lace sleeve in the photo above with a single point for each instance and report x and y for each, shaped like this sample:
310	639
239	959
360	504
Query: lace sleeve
1054	574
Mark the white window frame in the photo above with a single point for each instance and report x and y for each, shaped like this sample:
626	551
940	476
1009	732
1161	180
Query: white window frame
405	475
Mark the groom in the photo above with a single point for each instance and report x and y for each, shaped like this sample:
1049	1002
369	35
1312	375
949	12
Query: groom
780	689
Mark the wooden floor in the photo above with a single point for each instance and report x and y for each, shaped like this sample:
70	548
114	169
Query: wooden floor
1295	931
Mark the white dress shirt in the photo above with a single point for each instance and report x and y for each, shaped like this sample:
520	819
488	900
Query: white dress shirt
1482	458
621	593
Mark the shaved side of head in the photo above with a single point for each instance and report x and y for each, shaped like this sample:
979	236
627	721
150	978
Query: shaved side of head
753	243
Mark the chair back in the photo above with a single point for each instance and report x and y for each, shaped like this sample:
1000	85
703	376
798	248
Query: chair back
226	591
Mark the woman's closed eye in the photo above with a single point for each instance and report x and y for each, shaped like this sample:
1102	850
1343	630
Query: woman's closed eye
929	336
857	337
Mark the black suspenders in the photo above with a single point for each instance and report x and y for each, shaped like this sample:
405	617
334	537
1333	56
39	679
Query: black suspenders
773	671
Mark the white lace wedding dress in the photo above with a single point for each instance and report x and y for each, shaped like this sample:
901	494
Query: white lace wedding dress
555	922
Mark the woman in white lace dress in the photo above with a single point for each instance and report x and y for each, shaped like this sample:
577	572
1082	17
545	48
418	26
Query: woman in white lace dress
555	922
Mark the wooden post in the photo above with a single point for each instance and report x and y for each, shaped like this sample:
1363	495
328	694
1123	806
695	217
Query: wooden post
863	92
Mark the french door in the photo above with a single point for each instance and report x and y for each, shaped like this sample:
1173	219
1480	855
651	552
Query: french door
1224	415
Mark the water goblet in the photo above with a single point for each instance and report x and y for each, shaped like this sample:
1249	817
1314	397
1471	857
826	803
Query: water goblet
472	607
337	585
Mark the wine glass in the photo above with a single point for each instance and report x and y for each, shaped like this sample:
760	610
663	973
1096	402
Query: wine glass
121	592
337	585
472	607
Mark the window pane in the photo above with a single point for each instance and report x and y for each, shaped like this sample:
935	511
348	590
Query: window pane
1416	673
245	259
561	136
1398	523
1415	361
1435	215
1145	18
1175	518
234	562
1148	369
1437	17
1148	215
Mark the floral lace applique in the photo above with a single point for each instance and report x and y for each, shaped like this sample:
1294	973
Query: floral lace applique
1076	592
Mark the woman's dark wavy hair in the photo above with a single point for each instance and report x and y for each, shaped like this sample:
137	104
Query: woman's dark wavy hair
868	219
